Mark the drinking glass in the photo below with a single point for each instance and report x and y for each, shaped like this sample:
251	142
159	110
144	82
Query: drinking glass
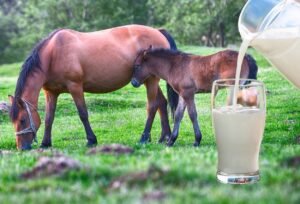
238	126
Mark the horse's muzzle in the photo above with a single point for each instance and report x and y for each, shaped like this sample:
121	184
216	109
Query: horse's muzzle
135	83
26	147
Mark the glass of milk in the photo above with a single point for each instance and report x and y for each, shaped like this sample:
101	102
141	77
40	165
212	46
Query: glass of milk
238	126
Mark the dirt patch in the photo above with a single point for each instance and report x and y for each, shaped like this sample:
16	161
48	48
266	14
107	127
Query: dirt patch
47	152
154	173
111	149
48	166
154	196
4	107
292	162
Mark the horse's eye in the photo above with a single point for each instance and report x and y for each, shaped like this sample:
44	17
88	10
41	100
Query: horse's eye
22	121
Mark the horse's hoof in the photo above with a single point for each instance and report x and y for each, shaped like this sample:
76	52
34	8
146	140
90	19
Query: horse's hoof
170	143
145	141
163	139
45	146
91	144
196	144
145	138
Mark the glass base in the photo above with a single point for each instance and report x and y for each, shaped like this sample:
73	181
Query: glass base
247	178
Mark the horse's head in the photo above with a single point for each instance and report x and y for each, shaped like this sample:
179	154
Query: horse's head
140	69
248	97
26	121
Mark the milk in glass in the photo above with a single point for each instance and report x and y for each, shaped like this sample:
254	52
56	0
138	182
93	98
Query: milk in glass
239	132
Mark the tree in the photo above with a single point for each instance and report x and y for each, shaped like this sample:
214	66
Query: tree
201	22
204	22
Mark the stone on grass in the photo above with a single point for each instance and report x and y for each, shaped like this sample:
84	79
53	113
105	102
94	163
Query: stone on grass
292	162
156	195
5	152
111	149
4	107
153	173
49	166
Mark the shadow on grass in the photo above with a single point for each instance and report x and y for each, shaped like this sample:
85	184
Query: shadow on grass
98	105
119	104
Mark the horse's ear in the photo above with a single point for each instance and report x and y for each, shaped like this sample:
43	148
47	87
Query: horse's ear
16	100
145	51
11	99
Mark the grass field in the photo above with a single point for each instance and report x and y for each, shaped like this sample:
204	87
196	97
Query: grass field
119	117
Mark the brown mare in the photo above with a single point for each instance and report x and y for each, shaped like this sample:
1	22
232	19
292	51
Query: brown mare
75	62
188	74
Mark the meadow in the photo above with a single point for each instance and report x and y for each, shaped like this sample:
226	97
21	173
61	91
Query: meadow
119	117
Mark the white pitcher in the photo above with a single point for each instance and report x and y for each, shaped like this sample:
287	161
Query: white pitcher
273	28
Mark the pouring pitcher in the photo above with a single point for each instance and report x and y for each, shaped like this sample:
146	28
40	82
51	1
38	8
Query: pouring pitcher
273	28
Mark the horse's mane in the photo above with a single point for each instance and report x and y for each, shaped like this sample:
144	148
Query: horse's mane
31	64
166	53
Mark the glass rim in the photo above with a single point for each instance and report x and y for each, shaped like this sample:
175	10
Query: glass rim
220	82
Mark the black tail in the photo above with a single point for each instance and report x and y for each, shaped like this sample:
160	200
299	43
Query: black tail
252	67
172	95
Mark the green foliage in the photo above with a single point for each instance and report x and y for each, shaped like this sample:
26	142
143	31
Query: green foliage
119	117
208	22
24	22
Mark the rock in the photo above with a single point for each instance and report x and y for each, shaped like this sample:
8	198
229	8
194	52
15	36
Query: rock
111	149
4	107
48	166
5	152
154	196
154	173
292	162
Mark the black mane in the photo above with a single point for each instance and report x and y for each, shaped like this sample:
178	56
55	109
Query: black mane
31	65
165	53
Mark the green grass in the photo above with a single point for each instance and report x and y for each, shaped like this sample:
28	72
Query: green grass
119	117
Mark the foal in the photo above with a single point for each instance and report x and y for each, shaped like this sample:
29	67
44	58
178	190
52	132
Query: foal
188	74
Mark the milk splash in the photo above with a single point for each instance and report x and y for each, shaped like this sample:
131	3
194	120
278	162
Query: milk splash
244	46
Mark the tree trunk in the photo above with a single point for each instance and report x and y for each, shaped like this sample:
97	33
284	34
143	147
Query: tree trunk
222	34
209	42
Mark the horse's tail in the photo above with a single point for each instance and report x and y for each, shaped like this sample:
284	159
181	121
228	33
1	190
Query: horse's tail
252	67
169	38
172	95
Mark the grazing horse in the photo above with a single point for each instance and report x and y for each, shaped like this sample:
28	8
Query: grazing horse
73	62
189	74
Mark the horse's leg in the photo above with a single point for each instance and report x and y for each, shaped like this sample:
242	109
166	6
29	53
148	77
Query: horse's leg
163	112
190	103
76	91
51	101
152	106
178	117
